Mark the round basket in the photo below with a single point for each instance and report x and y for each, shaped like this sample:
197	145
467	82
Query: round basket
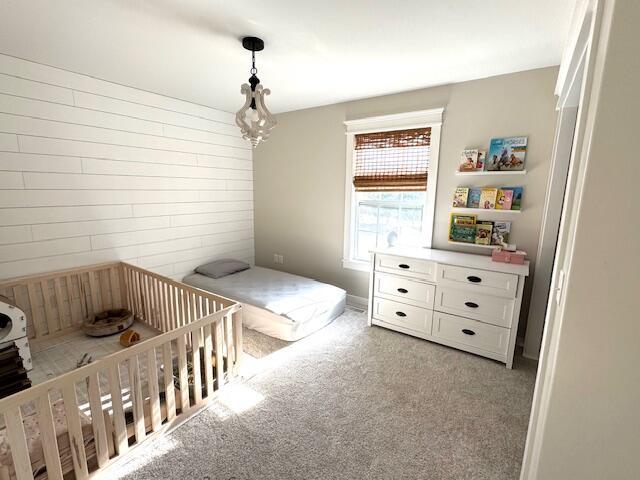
109	322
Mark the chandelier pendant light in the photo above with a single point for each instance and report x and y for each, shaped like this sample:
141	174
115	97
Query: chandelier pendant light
254	119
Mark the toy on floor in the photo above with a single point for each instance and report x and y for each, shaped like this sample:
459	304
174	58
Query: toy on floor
108	322
128	338
85	360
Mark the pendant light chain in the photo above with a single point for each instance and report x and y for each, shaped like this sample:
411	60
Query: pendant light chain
253	70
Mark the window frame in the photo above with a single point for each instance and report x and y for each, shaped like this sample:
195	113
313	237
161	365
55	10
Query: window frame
402	121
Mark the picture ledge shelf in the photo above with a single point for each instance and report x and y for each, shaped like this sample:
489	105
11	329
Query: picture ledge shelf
472	245
480	211
497	172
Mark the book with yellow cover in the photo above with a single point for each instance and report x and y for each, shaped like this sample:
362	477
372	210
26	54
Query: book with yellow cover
462	228
504	199
488	198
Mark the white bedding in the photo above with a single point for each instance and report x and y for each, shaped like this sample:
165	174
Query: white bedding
303	305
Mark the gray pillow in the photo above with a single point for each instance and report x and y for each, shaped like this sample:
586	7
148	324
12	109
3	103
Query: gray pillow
223	267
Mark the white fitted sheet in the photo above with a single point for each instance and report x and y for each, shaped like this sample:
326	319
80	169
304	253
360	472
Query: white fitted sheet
288	306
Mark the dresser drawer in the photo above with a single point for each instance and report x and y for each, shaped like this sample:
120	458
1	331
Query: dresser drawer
403	289
482	281
468	303
471	333
402	315
411	267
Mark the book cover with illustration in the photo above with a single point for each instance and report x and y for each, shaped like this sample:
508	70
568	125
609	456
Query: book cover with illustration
516	202
506	154
462	228
460	197
468	160
480	163
500	233
473	199
504	199
483	234
488	198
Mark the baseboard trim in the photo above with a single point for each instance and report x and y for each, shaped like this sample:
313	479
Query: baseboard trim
358	302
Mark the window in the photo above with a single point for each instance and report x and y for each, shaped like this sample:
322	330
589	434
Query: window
391	182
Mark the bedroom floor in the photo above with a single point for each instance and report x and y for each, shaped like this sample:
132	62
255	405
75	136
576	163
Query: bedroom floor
352	402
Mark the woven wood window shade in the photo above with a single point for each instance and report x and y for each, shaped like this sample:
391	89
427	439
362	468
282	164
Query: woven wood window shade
397	160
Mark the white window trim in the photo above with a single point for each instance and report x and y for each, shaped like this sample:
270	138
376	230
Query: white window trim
401	121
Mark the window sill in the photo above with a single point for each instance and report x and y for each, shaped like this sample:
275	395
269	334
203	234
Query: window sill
358	265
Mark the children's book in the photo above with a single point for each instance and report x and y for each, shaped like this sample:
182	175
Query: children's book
482	156
500	233
488	198
460	197
463	233
473	200
516	201
468	160
504	199
462	228
507	153
483	234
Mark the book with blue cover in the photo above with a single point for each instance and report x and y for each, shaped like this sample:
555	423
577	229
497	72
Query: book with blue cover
506	154
473	197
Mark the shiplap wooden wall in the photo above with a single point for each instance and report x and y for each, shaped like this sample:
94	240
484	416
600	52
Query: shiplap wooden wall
92	171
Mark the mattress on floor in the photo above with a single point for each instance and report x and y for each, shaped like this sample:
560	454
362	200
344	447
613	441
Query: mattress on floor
303	305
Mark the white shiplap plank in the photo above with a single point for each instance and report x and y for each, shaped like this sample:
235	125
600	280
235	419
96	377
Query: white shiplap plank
97	227
24	216
41	91
226	237
183	133
9	253
117	182
11	180
152	210
206	218
17	234
223	162
60	198
194	253
8	142
24	162
74	148
146	112
45	128
83	83
188	266
114	167
240	185
110	240
69	114
225	195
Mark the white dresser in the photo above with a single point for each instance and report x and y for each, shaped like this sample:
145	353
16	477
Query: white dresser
461	300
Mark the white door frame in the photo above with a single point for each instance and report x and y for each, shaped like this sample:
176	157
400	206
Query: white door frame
584	55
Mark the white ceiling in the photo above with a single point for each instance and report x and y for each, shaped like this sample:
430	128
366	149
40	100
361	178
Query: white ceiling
317	52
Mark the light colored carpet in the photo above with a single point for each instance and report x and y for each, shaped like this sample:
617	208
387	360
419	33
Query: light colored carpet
353	402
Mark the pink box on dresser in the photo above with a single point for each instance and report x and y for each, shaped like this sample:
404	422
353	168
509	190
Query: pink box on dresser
500	255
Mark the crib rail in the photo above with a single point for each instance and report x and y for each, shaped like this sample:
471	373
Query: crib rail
138	385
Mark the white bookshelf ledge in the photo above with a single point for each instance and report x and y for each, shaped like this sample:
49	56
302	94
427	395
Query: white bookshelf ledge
472	245
496	172
481	211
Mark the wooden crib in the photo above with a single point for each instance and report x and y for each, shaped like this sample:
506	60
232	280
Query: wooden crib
126	403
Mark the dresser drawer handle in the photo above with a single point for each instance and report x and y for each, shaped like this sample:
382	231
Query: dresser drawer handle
471	304
403	265
403	290
401	314
474	279
466	331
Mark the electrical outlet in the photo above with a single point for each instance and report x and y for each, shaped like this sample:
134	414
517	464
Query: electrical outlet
275	258
278	259
281	259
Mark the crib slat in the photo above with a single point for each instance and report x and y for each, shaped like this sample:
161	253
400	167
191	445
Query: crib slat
197	379
228	341
53	322
182	314
152	384
106	295
182	372
74	308
57	288
136	293
97	420
114	282
95	293
48	437
160	299
147	295
237	341
208	365
18	442
169	389
219	339
76	439
136	398
119	424
151	291
39	324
